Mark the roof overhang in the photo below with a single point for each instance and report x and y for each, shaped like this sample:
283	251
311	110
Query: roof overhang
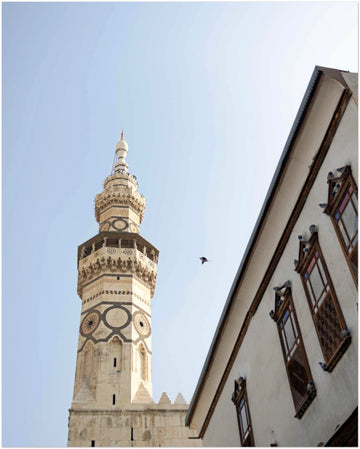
295	166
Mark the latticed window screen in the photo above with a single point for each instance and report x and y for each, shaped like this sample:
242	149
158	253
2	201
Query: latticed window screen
326	318
326	312
243	414
294	352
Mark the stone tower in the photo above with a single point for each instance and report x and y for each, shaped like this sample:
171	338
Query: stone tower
112	401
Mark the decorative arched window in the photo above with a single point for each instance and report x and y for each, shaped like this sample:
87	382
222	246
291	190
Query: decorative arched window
241	402
115	357
342	208
334	337
297	367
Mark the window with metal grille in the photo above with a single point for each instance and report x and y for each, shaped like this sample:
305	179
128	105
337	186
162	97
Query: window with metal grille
243	414
342	208
329	322
301	384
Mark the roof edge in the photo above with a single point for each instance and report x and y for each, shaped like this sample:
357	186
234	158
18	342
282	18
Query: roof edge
300	116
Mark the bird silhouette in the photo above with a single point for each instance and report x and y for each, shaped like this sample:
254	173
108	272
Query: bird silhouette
310	387
203	260
323	366
286	284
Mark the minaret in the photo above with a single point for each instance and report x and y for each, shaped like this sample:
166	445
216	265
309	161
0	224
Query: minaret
112	402
116	281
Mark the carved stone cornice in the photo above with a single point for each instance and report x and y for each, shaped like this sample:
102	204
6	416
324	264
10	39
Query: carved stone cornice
117	260
119	195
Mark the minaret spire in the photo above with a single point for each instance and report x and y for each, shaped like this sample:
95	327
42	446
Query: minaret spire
121	151
120	207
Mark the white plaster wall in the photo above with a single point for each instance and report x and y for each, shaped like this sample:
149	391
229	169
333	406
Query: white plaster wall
260	358
297	169
352	81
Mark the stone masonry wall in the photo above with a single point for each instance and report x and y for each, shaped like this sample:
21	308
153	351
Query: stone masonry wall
135	427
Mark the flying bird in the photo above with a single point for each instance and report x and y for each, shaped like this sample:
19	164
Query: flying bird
203	260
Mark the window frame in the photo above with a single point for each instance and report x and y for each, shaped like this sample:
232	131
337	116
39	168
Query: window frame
338	188
283	303
308	250
239	395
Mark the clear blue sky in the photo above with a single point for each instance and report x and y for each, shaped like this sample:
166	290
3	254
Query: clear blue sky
206	94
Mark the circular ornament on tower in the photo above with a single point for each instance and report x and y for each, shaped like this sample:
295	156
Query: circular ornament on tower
117	317
90	323
134	228
141	324
120	224
104	227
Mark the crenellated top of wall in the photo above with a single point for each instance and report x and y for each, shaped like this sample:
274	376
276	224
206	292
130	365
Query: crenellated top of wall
164	403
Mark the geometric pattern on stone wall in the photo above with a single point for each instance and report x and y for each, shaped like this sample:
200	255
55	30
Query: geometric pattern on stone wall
107	317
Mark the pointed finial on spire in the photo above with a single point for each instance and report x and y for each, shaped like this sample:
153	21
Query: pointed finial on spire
121	152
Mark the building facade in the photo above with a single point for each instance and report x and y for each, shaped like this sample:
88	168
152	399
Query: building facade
282	369
112	401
